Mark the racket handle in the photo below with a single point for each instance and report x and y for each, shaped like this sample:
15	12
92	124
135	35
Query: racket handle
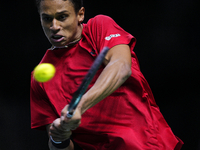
70	114
86	81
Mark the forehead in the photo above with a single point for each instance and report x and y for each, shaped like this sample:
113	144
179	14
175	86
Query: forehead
53	6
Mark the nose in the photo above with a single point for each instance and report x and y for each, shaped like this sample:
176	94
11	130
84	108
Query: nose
55	26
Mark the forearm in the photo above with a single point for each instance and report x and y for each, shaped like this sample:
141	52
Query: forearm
57	133
111	78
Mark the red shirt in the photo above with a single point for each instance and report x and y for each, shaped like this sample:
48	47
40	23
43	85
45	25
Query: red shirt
127	119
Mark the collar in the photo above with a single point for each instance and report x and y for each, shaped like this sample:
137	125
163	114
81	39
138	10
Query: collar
66	46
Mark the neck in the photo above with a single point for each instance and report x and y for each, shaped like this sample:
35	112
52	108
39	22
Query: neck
71	43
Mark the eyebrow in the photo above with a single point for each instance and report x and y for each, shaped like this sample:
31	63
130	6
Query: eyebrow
64	11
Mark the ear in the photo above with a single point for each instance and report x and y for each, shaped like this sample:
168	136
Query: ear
81	15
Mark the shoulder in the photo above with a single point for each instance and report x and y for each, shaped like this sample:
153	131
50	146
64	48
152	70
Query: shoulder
102	17
99	20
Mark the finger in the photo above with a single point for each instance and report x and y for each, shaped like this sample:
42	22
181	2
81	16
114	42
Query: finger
59	138
57	128
71	126
74	127
56	131
58	135
63	135
68	121
56	125
64	110
64	121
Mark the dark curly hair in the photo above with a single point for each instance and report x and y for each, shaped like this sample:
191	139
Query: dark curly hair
77	4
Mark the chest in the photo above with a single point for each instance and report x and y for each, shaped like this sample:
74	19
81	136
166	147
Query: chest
71	65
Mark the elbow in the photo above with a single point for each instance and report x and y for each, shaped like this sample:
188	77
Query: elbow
126	72
129	72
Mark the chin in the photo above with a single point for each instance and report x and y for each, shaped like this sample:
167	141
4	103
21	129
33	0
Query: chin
59	44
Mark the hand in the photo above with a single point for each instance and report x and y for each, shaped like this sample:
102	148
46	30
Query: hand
57	132
60	129
70	123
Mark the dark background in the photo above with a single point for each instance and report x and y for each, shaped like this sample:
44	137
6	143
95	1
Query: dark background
167	47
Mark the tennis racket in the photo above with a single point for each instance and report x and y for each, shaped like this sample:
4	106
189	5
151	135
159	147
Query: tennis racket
85	83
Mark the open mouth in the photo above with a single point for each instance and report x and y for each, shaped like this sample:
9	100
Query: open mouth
57	38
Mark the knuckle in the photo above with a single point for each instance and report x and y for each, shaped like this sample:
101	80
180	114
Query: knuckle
51	127
56	122
64	110
79	123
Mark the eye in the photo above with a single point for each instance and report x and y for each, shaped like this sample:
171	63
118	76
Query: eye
47	18
62	17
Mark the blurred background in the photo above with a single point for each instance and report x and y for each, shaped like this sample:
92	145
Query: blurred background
167	47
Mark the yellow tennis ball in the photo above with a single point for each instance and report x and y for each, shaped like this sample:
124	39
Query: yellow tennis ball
44	72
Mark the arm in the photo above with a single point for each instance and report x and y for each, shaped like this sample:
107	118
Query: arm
60	129
58	134
117	70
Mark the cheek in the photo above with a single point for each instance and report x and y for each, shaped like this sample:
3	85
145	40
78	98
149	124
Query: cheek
70	28
45	29
70	24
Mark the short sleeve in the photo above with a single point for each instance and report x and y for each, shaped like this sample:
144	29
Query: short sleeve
104	31
42	112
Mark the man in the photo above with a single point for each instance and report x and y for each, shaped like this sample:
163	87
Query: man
118	110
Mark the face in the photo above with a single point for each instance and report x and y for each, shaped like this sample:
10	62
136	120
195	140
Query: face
60	22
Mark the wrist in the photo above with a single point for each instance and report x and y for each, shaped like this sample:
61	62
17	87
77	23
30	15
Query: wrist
60	144
82	105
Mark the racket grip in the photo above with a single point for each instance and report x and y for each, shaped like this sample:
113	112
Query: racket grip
86	81
70	114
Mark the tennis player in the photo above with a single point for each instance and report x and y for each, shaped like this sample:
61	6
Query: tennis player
118	111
